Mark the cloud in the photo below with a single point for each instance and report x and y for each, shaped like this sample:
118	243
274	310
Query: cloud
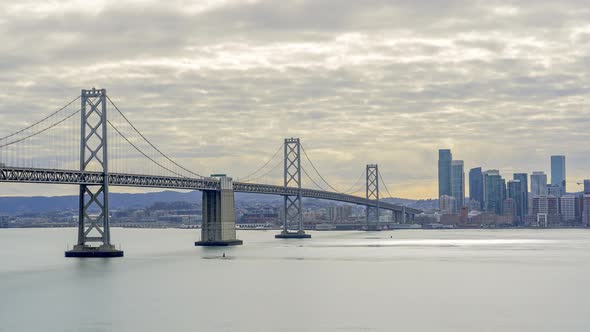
219	85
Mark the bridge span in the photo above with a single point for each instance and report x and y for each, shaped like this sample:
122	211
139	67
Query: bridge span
93	149
56	176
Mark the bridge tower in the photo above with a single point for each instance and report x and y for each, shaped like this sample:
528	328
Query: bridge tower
292	207
93	216
219	216
372	193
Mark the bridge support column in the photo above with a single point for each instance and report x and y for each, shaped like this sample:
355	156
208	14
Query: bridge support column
93	217
372	193
219	217
293	210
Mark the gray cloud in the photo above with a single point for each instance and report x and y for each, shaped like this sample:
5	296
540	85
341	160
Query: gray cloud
503	83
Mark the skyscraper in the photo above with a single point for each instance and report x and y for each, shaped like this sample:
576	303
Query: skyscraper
476	186
458	183
515	193
444	172
494	191
586	210
524	190
555	190
558	172
586	186
538	184
567	208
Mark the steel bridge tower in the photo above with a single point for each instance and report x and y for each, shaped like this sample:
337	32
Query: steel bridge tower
372	193
292	208
93	217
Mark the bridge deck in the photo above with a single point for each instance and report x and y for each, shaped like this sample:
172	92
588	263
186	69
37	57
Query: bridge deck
54	176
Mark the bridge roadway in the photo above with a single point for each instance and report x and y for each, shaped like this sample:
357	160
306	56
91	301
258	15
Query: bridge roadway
55	176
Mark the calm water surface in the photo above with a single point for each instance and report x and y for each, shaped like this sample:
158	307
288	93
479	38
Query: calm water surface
449	280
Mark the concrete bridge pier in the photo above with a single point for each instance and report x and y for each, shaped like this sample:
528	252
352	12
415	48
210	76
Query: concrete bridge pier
219	218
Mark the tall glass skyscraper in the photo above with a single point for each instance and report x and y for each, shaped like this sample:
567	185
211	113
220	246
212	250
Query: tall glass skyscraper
444	172
458	183
515	193
538	184
524	192
476	185
558	172
494	191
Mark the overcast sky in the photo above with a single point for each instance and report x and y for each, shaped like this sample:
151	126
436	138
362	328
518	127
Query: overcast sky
220	84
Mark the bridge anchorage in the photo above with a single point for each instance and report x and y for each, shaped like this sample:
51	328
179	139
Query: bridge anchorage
292	204
93	152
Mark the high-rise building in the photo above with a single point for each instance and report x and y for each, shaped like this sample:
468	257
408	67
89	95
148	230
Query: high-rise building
444	172
524	191
586	210
546	210
554	190
579	208
509	207
586	186
558	172
538	184
339	213
458	183
447	204
494	191
515	193
568	208
476	187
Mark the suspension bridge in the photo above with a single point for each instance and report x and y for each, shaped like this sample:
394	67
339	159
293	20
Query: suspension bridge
84	145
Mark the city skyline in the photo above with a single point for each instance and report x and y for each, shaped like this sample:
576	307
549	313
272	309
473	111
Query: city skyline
526	177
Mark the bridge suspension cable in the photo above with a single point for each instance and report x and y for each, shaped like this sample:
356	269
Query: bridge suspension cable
316	170
140	151
311	179
38	132
150	144
266	173
42	120
354	188
247	177
385	185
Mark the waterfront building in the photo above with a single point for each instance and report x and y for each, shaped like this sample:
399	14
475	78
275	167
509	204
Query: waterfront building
339	213
494	191
558	172
524	192
586	210
475	188
445	158
514	192
538	184
546	210
474	205
509	208
447	204
568	208
458	183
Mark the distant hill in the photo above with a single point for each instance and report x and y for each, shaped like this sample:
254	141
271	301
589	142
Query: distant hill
37	204
40	204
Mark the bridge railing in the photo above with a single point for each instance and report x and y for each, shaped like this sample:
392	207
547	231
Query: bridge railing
32	175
